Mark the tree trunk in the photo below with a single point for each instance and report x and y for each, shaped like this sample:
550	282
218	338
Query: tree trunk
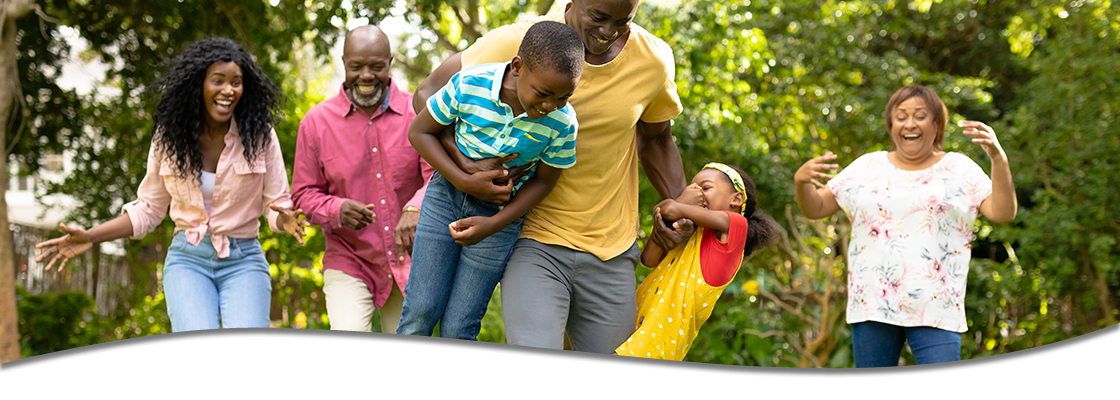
1104	296
9	81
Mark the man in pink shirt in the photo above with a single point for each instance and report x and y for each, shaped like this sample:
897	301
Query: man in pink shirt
357	176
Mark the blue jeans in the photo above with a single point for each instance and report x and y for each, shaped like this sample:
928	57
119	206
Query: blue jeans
202	289
875	344
449	283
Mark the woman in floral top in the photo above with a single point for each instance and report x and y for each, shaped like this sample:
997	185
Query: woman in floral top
912	212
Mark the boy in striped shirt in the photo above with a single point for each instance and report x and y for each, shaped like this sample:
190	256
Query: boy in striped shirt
518	110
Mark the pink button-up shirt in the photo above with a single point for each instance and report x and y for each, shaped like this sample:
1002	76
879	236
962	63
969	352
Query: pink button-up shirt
242	193
343	153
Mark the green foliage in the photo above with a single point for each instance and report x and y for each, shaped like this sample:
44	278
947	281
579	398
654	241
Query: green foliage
493	330
1067	230
149	317
297	279
50	322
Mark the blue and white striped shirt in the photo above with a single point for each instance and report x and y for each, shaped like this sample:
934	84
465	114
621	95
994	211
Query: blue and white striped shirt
486	126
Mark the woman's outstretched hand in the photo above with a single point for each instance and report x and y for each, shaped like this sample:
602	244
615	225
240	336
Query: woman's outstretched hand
813	170
290	222
60	250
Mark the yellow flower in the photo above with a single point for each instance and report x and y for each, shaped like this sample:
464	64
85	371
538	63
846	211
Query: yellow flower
751	287
301	321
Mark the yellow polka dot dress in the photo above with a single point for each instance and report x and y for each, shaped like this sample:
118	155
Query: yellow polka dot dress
675	299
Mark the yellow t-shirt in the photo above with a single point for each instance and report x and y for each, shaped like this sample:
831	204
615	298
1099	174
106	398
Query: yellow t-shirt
594	206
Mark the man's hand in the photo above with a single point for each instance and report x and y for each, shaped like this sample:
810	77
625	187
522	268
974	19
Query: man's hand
355	215
669	238
472	166
514	174
481	186
405	232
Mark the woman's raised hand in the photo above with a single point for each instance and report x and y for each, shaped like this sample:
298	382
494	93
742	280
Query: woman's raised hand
290	222
813	170
62	249
983	135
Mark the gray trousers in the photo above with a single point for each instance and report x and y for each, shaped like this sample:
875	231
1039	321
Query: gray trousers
547	289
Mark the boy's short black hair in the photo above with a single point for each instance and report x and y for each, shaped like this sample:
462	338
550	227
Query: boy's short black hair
552	46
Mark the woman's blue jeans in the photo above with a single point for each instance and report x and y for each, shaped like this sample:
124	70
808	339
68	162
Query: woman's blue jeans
203	290
449	283
875	344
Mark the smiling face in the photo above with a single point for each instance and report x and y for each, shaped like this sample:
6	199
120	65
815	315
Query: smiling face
541	92
221	90
601	22
719	192
913	130
366	58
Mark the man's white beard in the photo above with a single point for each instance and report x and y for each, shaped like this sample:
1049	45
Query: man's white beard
366	101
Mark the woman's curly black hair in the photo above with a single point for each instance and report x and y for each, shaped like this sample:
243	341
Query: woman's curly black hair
762	229
178	118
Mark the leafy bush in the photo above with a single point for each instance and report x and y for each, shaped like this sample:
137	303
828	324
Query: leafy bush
49	322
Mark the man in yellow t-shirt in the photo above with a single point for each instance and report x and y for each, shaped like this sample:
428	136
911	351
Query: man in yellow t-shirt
573	265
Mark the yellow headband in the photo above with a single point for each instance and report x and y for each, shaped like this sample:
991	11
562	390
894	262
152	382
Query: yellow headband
736	180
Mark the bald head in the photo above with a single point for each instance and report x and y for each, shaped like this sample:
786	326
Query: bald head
366	59
366	36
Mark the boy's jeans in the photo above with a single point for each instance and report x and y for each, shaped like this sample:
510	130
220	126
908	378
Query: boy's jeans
449	283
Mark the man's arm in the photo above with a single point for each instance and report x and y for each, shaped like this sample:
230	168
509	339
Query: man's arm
422	134
661	160
310	189
436	80
405	232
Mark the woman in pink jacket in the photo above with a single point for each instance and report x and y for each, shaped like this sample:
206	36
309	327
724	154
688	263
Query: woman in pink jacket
216	162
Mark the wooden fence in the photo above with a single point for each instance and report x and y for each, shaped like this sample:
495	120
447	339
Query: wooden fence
101	276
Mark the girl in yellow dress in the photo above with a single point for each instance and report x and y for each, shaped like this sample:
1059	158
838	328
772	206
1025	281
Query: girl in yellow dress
678	296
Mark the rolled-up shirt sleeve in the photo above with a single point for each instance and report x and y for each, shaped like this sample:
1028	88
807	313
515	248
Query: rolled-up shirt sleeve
276	189
152	199
309	183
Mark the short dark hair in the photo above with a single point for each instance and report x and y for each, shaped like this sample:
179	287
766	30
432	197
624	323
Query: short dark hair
936	107
552	46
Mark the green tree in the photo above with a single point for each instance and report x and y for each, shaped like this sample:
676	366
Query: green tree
33	113
1065	126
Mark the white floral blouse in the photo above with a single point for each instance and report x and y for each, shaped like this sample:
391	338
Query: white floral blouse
911	238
